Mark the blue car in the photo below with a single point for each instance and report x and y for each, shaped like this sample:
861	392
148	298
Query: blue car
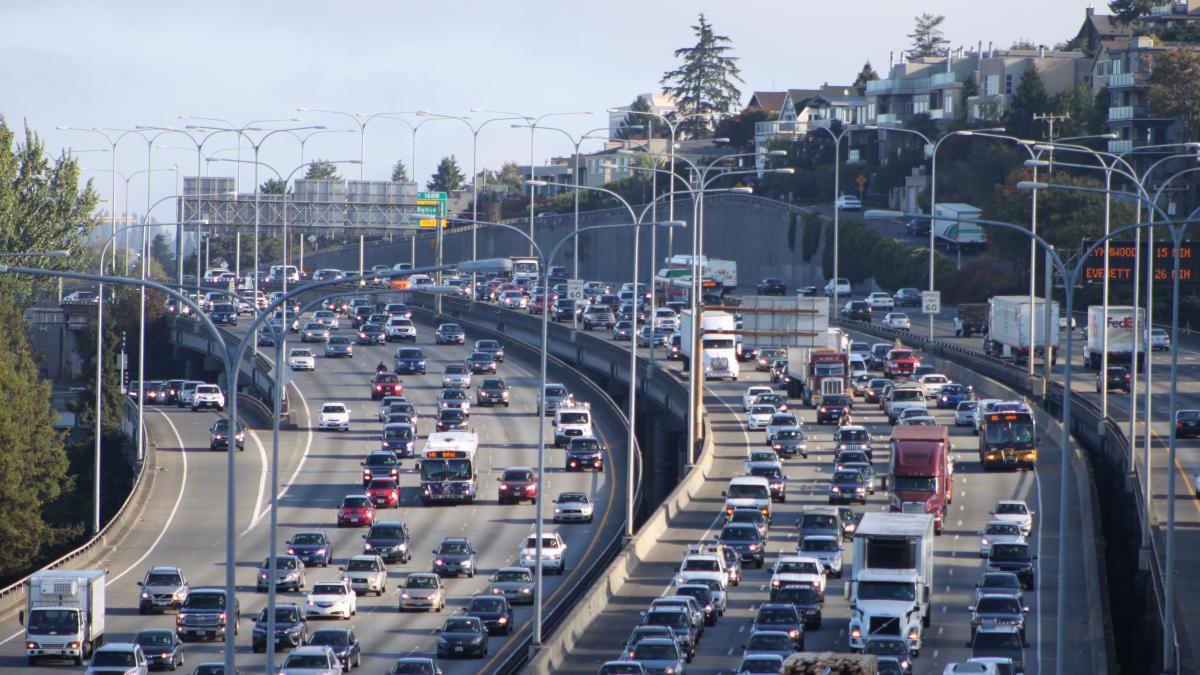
952	394
410	360
313	548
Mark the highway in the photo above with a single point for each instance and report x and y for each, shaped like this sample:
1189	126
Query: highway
185	523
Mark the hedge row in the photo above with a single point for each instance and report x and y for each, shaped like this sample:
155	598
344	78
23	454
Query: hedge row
893	264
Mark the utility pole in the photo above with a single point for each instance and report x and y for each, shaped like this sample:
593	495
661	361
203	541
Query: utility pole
1050	119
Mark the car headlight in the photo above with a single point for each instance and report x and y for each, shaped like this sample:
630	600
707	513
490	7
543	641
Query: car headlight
145	595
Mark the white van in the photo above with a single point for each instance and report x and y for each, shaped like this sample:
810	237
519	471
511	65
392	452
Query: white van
572	421
279	271
748	491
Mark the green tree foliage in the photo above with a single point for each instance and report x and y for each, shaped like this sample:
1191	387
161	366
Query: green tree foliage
1078	104
1028	100
970	88
273	186
704	81
810	239
1128	10
638	127
1173	91
865	75
866	253
1023	44
447	177
33	472
399	172
322	169
739	129
42	208
927	38
923	123
162	252
510	177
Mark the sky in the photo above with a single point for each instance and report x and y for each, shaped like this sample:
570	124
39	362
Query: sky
122	63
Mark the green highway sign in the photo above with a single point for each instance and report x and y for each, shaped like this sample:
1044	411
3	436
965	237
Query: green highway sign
428	210
440	196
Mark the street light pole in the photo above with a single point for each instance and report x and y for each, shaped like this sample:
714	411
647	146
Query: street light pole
532	182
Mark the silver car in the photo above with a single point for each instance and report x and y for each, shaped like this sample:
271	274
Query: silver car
422	590
457	376
964	414
314	332
338	346
573	506
826	549
367	574
514	583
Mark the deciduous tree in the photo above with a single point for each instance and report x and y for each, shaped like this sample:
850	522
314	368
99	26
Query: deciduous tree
704	81
739	129
1173	91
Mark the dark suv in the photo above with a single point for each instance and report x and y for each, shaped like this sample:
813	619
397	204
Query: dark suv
492	391
857	310
831	407
907	297
218	435
563	310
771	286
1015	558
519	483
388	539
290	627
203	615
450	334
410	360
1118	378
583	453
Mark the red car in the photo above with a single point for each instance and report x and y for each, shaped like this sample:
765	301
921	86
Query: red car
386	384
356	511
384	493
518	484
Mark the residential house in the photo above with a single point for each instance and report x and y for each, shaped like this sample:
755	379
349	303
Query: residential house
999	73
663	104
802	110
1129	114
1098	28
1166	17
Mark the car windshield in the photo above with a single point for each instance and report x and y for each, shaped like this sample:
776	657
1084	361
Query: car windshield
456	547
887	647
789	435
701	594
356	502
547	542
846	477
282	615
998	605
113	658
701	565
332	638
420	581
155	638
485	605
819	545
300	353
739	533
361	565
914	483
521	475
573	497
741	491
797	567
1188	415
461	626
409	668
753	516
886	590
785	420
455	370
770	473
817	521
1010	508
854	435
573	418
1009	431
513	576
584	445
776	615
769	643
282	563
1010	553
445	469
328	589
306	661
655	651
799	595
382	484
161	579
968	405
204	601
759	664
381	459
398	433
664	618
762	409
335	409
454	395
1003	529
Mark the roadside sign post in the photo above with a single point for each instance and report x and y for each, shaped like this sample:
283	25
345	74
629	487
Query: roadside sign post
574	292
433	204
931	302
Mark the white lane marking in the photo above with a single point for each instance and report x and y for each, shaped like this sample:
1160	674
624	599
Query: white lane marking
295	472
1037	483
262	475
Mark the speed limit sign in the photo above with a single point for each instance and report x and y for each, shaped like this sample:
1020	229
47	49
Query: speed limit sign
931	302
575	289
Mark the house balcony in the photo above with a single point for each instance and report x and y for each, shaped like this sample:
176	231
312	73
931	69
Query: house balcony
1120	146
1119	80
887	118
1121	112
778	128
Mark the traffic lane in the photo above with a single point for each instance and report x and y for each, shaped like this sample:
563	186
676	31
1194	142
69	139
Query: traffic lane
494	551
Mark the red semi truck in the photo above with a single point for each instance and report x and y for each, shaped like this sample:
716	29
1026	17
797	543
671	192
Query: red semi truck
920	477
828	373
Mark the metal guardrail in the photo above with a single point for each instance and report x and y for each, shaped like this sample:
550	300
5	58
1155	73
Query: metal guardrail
118	519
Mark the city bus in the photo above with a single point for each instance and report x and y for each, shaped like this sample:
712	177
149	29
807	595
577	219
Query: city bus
1008	438
448	467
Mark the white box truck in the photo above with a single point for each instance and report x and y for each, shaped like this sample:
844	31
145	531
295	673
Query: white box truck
891	590
724	272
1008	327
1120	335
718	343
63	615
949	228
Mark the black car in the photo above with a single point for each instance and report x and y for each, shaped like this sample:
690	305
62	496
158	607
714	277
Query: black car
771	286
379	464
455	556
491	347
388	539
218	435
907	297
449	419
584	453
224	313
450	334
917	227
481	362
1015	558
1003	610
1118	378
399	439
205	615
781	617
744	538
494	611
492	391
314	548
999	642
361	315
857	310
776	481
174	388
563	310
410	360
831	406
808	601
290	627
462	636
163	649
1187	424
789	442
371	334
342	641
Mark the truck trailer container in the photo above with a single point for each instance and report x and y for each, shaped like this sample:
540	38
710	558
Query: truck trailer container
891	591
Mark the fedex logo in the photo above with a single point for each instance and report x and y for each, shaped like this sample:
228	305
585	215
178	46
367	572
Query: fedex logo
1126	322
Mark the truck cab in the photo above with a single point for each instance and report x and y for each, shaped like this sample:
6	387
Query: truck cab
748	491
891	592
63	615
920	477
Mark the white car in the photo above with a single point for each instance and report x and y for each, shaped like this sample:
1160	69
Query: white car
759	416
842	284
999	532
334	415
848	202
1158	339
312	660
331	599
798	569
697	562
880	301
932	384
367	574
326	318
916	421
666	320
911	413
554	552
513	300
208	396
752	392
1014	511
715	583
399	328
301	359
964	414
897	321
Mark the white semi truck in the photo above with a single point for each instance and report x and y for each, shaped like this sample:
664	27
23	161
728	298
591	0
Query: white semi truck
1121	325
63	615
891	591
718	343
949	226
1008	324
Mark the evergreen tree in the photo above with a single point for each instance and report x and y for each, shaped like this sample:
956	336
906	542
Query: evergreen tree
34	471
322	169
399	172
927	38
1028	100
704	81
162	252
1128	10
1023	44
448	176
638	126
273	186
865	75
970	88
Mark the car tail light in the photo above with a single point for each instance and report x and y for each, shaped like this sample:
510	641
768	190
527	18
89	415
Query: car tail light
913	634
855	633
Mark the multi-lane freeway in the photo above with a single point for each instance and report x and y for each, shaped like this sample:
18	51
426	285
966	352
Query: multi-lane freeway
184	522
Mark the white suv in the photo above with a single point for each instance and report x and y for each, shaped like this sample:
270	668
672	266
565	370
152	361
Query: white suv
399	328
208	396
666	320
554	552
